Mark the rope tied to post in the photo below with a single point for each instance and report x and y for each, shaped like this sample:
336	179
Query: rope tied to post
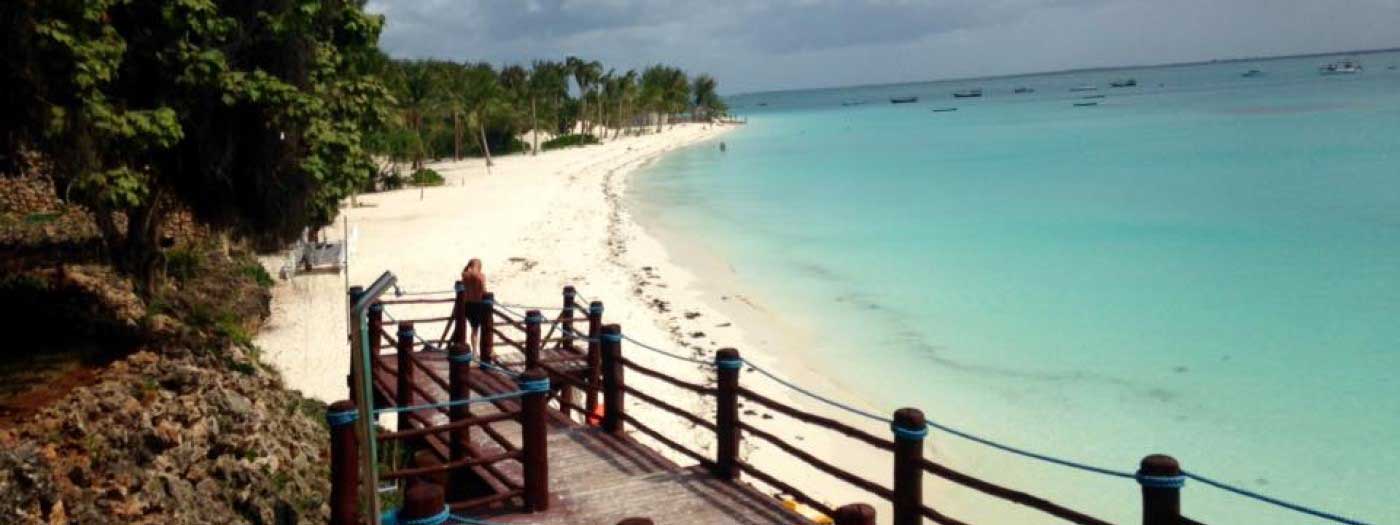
532	386
462	358
392	518
1161	482
909	434
729	364
341	418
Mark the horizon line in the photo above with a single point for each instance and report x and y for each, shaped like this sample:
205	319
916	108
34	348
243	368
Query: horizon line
1077	70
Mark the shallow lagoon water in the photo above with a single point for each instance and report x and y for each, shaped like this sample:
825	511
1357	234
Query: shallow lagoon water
1206	265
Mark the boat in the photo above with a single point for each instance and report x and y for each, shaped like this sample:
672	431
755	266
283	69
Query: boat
1093	96
968	93
1393	68
853	103
1084	88
943	110
903	100
1023	90
1085	104
1345	66
1127	82
1252	73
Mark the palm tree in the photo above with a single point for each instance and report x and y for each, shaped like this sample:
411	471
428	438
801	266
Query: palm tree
415	100
706	100
548	82
483	99
586	75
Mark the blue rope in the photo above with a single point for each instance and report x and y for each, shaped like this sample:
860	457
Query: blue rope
729	364
1149	481
813	395
533	385
1161	482
909	434
1260	497
492	367
464	357
391	517
346	417
449	404
607	337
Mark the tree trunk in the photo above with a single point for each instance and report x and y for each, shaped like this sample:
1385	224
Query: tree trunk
534	129
485	148
456	136
600	118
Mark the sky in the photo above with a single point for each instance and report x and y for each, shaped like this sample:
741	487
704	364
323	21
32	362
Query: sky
757	45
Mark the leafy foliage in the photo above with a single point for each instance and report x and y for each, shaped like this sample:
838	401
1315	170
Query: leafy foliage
577	139
250	114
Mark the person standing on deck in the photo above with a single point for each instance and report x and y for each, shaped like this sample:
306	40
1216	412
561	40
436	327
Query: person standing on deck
478	312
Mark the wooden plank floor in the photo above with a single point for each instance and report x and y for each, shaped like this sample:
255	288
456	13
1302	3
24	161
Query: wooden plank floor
594	477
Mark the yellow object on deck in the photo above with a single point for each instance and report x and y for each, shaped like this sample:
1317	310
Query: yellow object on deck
807	512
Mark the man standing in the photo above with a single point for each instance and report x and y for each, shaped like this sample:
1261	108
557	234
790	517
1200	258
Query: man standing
478	312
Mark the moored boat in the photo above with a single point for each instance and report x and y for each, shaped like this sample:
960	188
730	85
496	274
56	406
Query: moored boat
943	110
1084	88
1252	73
968	93
1023	90
1345	66
1127	82
1085	104
903	100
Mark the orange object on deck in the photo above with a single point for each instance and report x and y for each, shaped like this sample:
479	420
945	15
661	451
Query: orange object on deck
596	418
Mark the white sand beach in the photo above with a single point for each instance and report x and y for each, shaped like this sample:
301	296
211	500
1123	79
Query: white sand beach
542	222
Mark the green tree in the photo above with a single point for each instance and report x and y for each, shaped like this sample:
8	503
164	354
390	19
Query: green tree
251	115
548	86
705	100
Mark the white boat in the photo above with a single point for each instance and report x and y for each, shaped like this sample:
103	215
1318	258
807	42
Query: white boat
1344	66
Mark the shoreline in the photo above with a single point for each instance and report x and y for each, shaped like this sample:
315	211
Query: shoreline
561	218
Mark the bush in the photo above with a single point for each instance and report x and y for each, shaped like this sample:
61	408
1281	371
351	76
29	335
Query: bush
183	263
427	177
566	141
259	275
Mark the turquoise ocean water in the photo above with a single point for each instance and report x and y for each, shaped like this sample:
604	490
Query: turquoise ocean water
1206	265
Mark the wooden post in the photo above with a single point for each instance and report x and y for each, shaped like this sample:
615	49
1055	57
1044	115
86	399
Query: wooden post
427	458
376	332
595	358
488	334
404	394
611	336
909	433
533	318
345	466
534	438
854	514
566	317
459	362
1161	481
352	382
459	315
566	344
727	366
423	503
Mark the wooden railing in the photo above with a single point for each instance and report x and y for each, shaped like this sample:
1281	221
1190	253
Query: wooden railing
518	345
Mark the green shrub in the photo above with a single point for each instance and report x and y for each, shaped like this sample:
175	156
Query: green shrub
427	177
565	141
183	263
258	274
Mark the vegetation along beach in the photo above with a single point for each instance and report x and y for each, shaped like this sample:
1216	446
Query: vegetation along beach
395	262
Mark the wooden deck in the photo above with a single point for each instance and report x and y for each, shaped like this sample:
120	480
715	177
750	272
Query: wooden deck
594	477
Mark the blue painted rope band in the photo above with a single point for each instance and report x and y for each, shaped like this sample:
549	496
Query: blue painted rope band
488	302
596	309
436	519
409	333
909	434
1161	482
336	419
534	319
729	364
459	287
570	295
533	385
464	357
376	308
611	338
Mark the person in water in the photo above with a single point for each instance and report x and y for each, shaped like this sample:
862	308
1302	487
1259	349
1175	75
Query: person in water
474	288
721	147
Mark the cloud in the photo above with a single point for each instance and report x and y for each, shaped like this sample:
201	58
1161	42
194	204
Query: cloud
803	43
